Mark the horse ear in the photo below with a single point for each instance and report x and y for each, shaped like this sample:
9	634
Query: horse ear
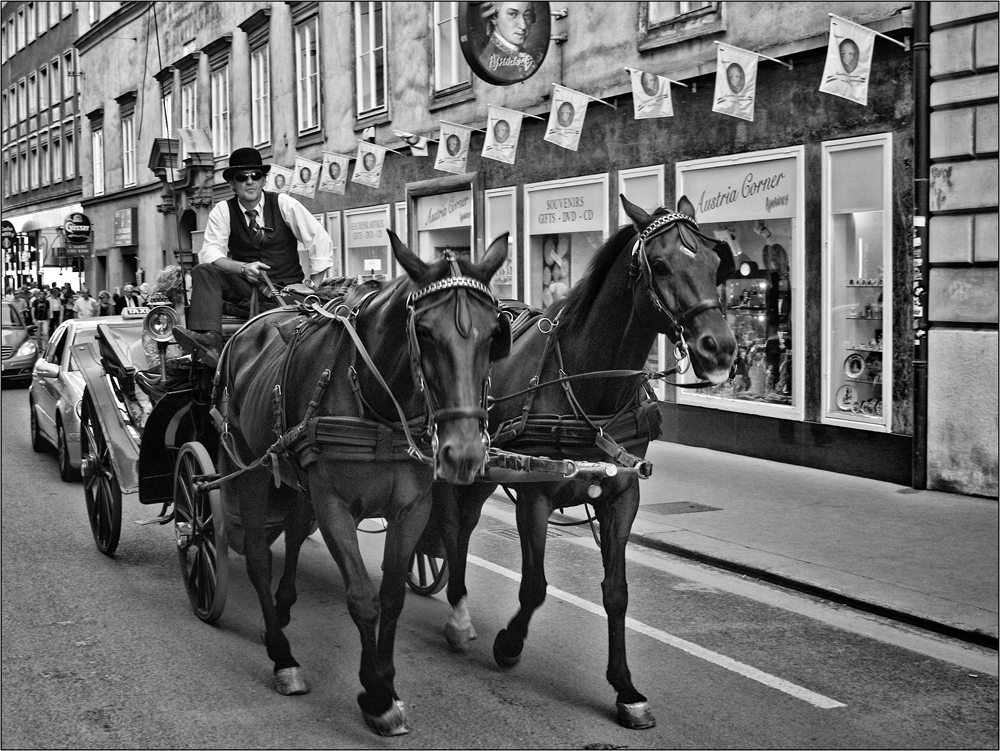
684	206
639	217
495	256
410	262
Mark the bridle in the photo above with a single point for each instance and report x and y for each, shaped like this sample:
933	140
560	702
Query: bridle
640	268
417	304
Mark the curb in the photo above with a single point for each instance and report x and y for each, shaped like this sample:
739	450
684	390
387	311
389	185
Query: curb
969	636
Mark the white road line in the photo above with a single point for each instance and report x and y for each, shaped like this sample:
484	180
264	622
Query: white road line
811	697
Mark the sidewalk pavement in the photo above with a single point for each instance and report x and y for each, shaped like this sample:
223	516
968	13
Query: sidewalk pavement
923	557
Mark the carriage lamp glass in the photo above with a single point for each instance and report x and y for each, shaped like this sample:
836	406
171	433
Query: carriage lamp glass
160	323
78	408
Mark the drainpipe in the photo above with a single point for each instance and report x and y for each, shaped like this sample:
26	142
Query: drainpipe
921	216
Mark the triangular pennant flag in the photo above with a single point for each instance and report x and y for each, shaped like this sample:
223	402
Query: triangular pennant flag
279	179
368	134
735	82
651	95
503	129
569	108
453	148
848	60
417	144
305	177
368	168
334	175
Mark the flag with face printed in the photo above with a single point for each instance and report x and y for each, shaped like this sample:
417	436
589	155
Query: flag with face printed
503	129
368	167
305	177
453	148
848	60
650	95
569	108
735	82
333	177
279	179
417	144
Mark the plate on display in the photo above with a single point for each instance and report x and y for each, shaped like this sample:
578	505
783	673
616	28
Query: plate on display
847	397
873	364
854	365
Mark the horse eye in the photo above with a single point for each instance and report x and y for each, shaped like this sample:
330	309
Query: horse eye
660	267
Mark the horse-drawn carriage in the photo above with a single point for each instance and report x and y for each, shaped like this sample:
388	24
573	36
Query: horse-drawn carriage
309	397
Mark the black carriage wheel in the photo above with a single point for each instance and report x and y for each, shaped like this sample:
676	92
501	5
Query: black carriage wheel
200	533
38	443
100	485
428	575
66	471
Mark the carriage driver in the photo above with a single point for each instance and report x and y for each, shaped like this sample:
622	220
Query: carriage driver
252	232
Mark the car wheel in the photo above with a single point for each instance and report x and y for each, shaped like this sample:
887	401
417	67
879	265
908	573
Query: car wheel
38	442
66	471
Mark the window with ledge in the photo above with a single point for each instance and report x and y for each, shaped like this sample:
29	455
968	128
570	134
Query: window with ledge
21	31
43	155
189	111
220	111
166	115
307	89
55	81
128	151
32	95
22	100
30	18
69	80
15	183
69	156
260	95
369	51
97	160
44	102
666	23
450	68
57	156
34	168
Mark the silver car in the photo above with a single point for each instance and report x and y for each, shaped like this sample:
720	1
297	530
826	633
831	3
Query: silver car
57	387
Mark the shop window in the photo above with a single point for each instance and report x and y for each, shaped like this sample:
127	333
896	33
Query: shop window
566	222
444	222
857	282
670	22
367	242
307	88
501	213
450	68
755	203
369	52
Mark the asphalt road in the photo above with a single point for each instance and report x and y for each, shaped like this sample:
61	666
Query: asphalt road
105	653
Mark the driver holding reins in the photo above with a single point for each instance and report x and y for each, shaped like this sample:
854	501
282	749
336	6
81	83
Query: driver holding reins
253	232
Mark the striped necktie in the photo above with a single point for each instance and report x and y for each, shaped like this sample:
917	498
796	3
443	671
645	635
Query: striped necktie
255	230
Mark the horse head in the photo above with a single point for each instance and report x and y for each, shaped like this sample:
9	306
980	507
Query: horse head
455	331
678	269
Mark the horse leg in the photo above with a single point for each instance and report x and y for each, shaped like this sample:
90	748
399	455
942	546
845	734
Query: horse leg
532	521
456	513
253	514
298	523
616	515
338	526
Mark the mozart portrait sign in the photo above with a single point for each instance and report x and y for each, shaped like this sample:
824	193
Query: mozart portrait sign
504	43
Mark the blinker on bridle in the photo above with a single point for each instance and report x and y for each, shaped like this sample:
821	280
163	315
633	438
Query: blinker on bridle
640	268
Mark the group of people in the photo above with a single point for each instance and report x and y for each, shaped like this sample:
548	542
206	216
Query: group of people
47	307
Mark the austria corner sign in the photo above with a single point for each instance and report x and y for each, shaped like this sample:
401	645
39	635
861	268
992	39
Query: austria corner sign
504	43
77	229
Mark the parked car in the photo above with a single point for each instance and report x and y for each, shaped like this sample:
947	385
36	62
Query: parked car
20	348
57	385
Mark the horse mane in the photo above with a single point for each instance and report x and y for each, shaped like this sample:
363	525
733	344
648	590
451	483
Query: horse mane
345	287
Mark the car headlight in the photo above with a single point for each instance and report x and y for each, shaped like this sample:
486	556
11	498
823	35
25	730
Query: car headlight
160	322
79	409
28	348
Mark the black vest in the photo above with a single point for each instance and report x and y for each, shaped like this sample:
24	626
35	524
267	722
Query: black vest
279	249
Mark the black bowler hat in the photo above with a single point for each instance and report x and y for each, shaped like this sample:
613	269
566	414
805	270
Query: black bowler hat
243	159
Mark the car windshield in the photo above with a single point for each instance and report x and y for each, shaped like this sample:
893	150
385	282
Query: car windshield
11	318
127	333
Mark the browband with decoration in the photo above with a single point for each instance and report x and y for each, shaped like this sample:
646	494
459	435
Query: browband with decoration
449	283
661	221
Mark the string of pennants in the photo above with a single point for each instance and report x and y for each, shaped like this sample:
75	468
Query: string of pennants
846	74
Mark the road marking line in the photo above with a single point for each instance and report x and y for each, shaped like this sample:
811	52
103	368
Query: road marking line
811	697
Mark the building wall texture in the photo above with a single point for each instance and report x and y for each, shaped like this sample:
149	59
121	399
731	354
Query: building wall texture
962	410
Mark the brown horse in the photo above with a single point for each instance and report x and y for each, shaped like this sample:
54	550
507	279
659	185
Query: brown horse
663	281
274	370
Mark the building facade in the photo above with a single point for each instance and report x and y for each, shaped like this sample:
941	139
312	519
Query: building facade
40	134
815	192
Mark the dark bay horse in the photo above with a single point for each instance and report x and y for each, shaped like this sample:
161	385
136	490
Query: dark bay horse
429	338
658	275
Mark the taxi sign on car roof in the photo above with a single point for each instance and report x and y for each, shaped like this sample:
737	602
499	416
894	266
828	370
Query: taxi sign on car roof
130	313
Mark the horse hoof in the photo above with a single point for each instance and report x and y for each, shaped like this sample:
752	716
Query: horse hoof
503	659
389	723
635	716
290	682
458	638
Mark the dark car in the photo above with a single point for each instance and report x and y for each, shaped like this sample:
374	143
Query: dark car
20	347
